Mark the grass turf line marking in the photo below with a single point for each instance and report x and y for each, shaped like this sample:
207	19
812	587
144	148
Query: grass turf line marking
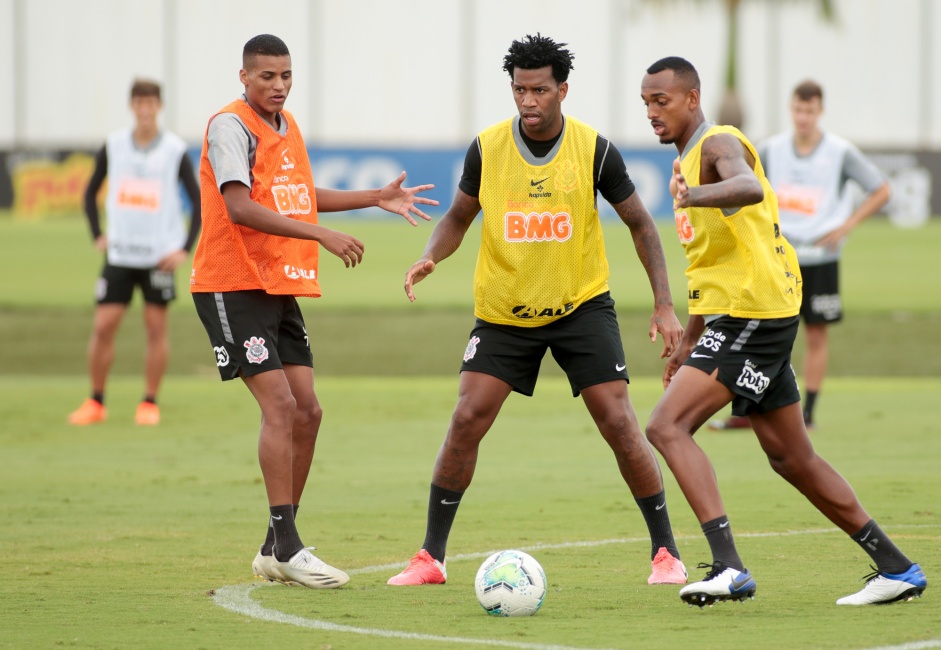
621	540
237	598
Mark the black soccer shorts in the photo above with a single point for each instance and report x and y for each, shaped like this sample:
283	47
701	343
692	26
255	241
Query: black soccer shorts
586	344
753	357
116	285
253	332
821	287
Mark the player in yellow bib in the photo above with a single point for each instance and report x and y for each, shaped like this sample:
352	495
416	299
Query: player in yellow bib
744	296
542	284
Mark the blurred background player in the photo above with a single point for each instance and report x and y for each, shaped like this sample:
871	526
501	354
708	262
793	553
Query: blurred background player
542	284
146	240
809	170
258	252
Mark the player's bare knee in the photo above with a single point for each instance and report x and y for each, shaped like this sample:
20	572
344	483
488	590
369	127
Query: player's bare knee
308	416
790	467
279	410
655	433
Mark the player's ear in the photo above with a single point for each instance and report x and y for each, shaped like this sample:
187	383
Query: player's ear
692	99
563	90
243	76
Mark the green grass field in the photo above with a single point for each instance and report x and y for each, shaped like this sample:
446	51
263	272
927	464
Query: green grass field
117	536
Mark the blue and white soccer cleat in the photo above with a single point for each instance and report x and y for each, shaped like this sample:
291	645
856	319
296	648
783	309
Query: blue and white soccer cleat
884	588
721	583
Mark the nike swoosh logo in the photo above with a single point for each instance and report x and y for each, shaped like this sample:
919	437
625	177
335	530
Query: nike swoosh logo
866	536
278	517
619	367
696	355
724	525
741	582
535	183
662	506
445	502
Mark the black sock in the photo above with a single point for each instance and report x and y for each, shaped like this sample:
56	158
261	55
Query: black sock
809	403
268	547
151	399
442	507
654	509
886	555
286	540
99	397
719	535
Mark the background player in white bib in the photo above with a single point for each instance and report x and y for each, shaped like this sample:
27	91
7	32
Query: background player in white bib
146	240
809	170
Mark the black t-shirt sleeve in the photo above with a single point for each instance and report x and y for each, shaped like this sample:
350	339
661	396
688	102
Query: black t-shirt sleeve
91	191
611	178
188	178
473	168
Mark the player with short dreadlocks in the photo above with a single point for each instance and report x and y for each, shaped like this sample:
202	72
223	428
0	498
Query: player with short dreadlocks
538	51
542	284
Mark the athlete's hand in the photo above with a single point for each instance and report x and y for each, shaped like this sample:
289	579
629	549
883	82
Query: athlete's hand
833	238
346	247
673	364
679	190
101	243
172	261
415	274
664	321
401	200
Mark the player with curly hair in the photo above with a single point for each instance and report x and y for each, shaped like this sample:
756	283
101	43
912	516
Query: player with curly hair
542	284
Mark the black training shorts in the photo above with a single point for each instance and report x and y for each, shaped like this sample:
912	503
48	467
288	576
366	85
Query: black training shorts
821	287
586	344
253	332
754	361
116	285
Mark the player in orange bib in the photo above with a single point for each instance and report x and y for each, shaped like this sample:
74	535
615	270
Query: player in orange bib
258	251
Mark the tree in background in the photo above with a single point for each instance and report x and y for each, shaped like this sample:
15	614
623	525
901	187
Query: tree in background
730	109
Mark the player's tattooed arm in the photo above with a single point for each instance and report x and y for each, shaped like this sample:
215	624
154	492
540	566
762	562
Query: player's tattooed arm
727	177
647	244
650	253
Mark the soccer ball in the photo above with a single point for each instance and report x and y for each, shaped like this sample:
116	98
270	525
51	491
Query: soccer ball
510	583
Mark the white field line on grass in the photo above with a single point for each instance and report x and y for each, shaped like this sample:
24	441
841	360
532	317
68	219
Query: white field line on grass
237	598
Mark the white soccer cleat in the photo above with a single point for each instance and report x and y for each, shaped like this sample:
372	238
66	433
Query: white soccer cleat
884	588
263	567
721	583
306	569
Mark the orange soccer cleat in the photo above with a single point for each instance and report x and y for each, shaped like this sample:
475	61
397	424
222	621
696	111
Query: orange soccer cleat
90	412
148	414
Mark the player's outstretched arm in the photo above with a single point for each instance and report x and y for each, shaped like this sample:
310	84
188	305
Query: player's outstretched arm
392	198
445	239
245	212
401	200
650	252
